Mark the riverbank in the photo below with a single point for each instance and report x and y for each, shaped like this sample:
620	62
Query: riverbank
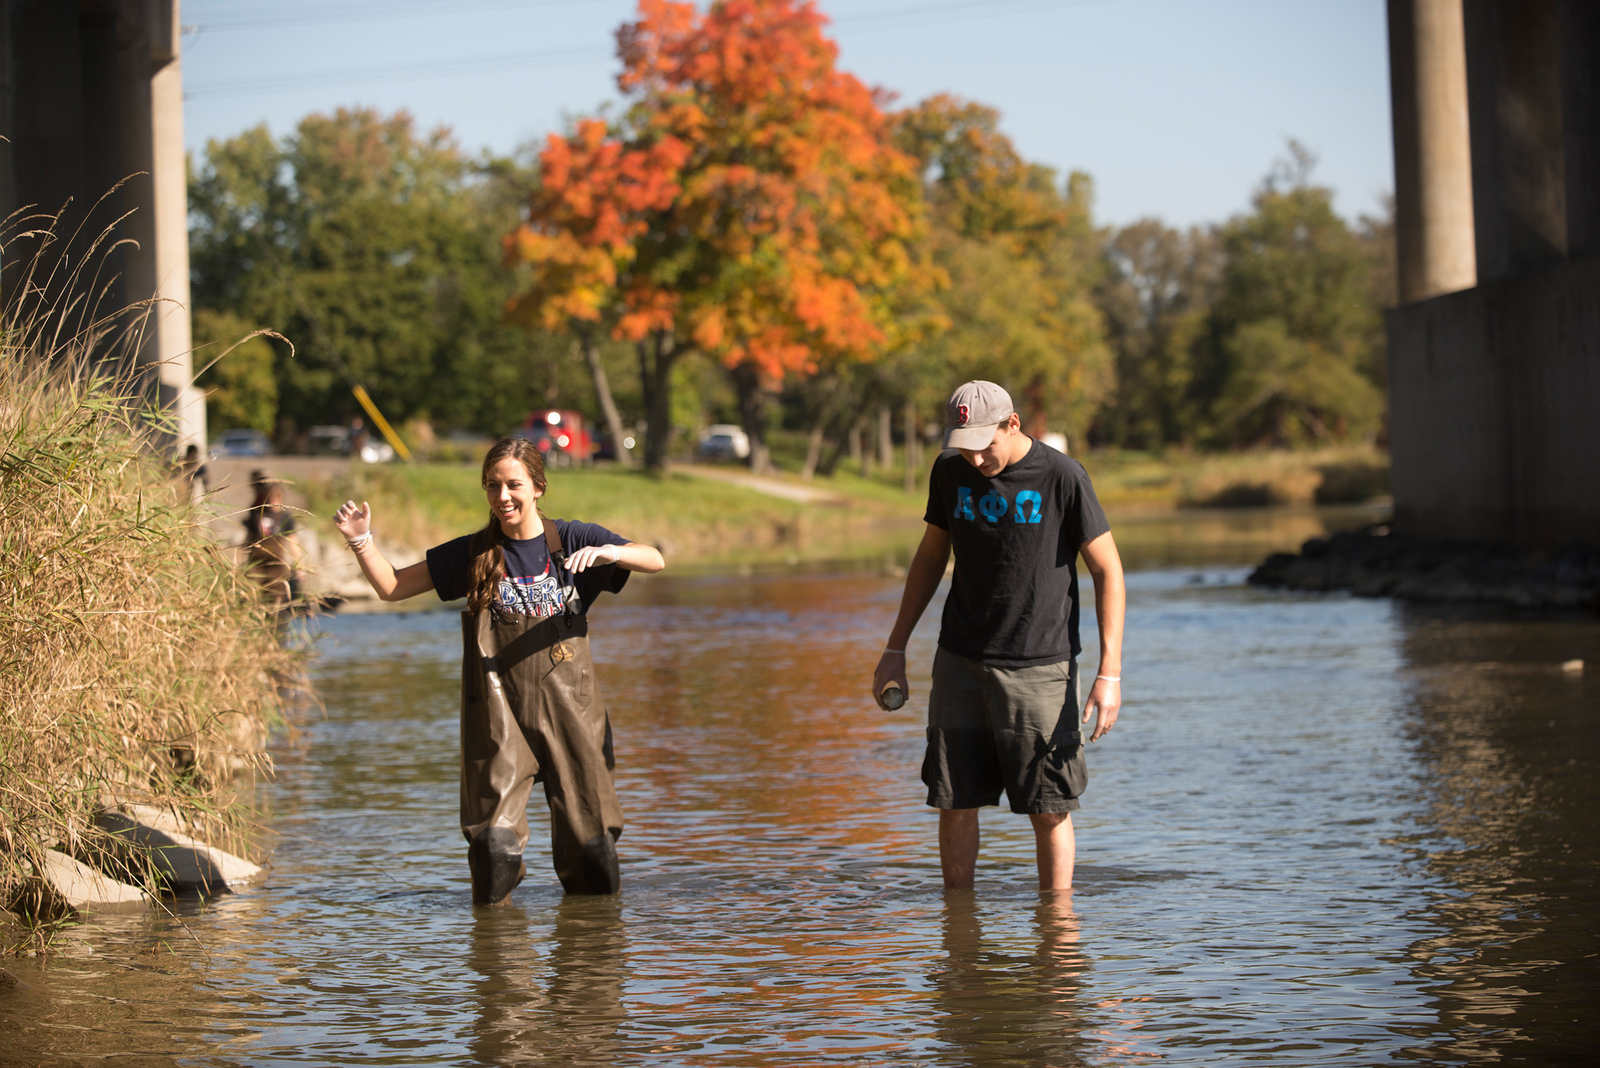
140	670
720	517
1376	562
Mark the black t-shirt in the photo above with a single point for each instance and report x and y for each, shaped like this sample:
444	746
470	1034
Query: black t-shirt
1014	598
533	585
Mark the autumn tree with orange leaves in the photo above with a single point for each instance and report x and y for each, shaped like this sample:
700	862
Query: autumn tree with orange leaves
749	204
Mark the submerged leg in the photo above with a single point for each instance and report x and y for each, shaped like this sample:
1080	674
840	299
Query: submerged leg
494	858
1056	847
497	771
958	846
585	816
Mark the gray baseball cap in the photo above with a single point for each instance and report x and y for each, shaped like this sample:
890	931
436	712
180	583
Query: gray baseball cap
975	410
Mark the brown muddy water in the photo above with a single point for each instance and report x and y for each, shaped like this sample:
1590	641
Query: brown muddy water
1326	831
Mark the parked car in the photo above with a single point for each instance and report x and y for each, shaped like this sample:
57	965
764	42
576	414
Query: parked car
561	435
328	441
241	443
724	441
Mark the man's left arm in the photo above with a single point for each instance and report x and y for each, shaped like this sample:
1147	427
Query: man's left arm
1110	606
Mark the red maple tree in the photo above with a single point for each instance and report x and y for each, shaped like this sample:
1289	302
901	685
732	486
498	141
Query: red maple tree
749	204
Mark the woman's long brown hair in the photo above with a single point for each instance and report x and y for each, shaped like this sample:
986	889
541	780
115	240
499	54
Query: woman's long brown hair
486	550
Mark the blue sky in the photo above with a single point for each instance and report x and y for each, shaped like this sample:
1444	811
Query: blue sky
1177	108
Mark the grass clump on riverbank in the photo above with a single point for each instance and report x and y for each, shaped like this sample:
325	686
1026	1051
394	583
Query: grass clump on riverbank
1255	478
138	664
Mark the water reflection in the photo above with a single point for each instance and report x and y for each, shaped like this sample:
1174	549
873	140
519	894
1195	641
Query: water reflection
1331	830
1511	807
566	1009
1003	1005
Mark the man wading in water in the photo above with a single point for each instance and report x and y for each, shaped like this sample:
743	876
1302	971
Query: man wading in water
530	705
1002	710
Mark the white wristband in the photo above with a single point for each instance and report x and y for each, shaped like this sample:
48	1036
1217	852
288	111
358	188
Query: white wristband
1110	678
360	541
900	652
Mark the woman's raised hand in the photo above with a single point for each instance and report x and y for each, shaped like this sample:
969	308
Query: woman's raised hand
353	520
590	555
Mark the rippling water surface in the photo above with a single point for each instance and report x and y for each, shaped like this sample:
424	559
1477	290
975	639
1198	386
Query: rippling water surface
1327	830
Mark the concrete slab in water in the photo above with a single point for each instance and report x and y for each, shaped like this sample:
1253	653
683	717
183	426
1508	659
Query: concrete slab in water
183	863
87	890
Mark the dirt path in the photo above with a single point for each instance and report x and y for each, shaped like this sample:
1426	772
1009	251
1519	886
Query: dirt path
771	487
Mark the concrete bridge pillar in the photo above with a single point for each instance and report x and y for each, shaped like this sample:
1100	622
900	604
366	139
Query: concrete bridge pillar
1432	148
91	94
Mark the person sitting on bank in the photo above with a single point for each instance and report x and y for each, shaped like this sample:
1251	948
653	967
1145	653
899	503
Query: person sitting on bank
530	706
1002	707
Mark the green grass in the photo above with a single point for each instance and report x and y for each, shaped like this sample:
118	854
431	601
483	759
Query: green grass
691	519
1130	480
699	520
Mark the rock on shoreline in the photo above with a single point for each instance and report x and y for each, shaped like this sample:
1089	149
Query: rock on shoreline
1377	562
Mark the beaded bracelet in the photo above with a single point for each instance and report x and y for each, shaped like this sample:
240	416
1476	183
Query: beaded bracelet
359	542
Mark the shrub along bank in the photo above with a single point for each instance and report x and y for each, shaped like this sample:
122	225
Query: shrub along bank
138	665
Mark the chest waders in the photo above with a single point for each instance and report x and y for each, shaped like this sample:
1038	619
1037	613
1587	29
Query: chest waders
531	712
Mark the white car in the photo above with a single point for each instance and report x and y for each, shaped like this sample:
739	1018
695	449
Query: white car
724	439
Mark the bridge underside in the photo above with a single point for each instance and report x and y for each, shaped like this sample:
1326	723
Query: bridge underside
1494	355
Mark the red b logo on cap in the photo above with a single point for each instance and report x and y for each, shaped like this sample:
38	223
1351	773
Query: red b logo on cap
962	415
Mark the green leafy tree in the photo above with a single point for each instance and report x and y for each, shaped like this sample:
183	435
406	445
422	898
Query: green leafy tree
1021	257
1156	297
1293	324
241	388
376	249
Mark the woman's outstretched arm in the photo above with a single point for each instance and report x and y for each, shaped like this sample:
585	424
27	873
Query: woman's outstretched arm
629	557
355	523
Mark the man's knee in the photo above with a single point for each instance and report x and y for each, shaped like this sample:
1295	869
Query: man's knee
1049	821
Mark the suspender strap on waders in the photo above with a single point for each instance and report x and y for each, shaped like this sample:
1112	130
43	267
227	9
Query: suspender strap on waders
558	553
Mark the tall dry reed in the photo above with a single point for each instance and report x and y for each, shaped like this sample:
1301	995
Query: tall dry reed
137	663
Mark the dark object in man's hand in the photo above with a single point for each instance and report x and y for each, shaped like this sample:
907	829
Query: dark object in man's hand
893	697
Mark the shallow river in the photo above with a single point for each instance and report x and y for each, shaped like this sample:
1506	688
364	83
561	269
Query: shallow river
1326	831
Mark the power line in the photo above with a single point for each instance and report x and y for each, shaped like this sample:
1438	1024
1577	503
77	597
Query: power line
367	12
410	72
901	18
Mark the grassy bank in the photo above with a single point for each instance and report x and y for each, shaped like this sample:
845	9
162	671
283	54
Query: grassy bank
137	664
702	521
692	519
1174	478
1130	480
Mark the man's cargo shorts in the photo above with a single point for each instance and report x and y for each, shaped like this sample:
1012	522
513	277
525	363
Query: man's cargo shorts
994	728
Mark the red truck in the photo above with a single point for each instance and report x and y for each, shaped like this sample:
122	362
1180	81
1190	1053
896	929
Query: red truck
561	434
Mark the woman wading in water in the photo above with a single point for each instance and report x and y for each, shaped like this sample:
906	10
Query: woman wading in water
530	705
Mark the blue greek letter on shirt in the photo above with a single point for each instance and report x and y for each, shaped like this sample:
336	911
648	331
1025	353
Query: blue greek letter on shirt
1029	497
992	505
964	503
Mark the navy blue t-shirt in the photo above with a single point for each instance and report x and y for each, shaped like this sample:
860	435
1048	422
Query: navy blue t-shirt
534	585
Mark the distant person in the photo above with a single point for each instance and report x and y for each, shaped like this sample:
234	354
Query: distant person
260	481
530	703
358	437
274	553
192	469
1002	708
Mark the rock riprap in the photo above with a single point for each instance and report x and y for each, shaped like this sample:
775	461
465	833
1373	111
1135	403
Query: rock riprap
1378	562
